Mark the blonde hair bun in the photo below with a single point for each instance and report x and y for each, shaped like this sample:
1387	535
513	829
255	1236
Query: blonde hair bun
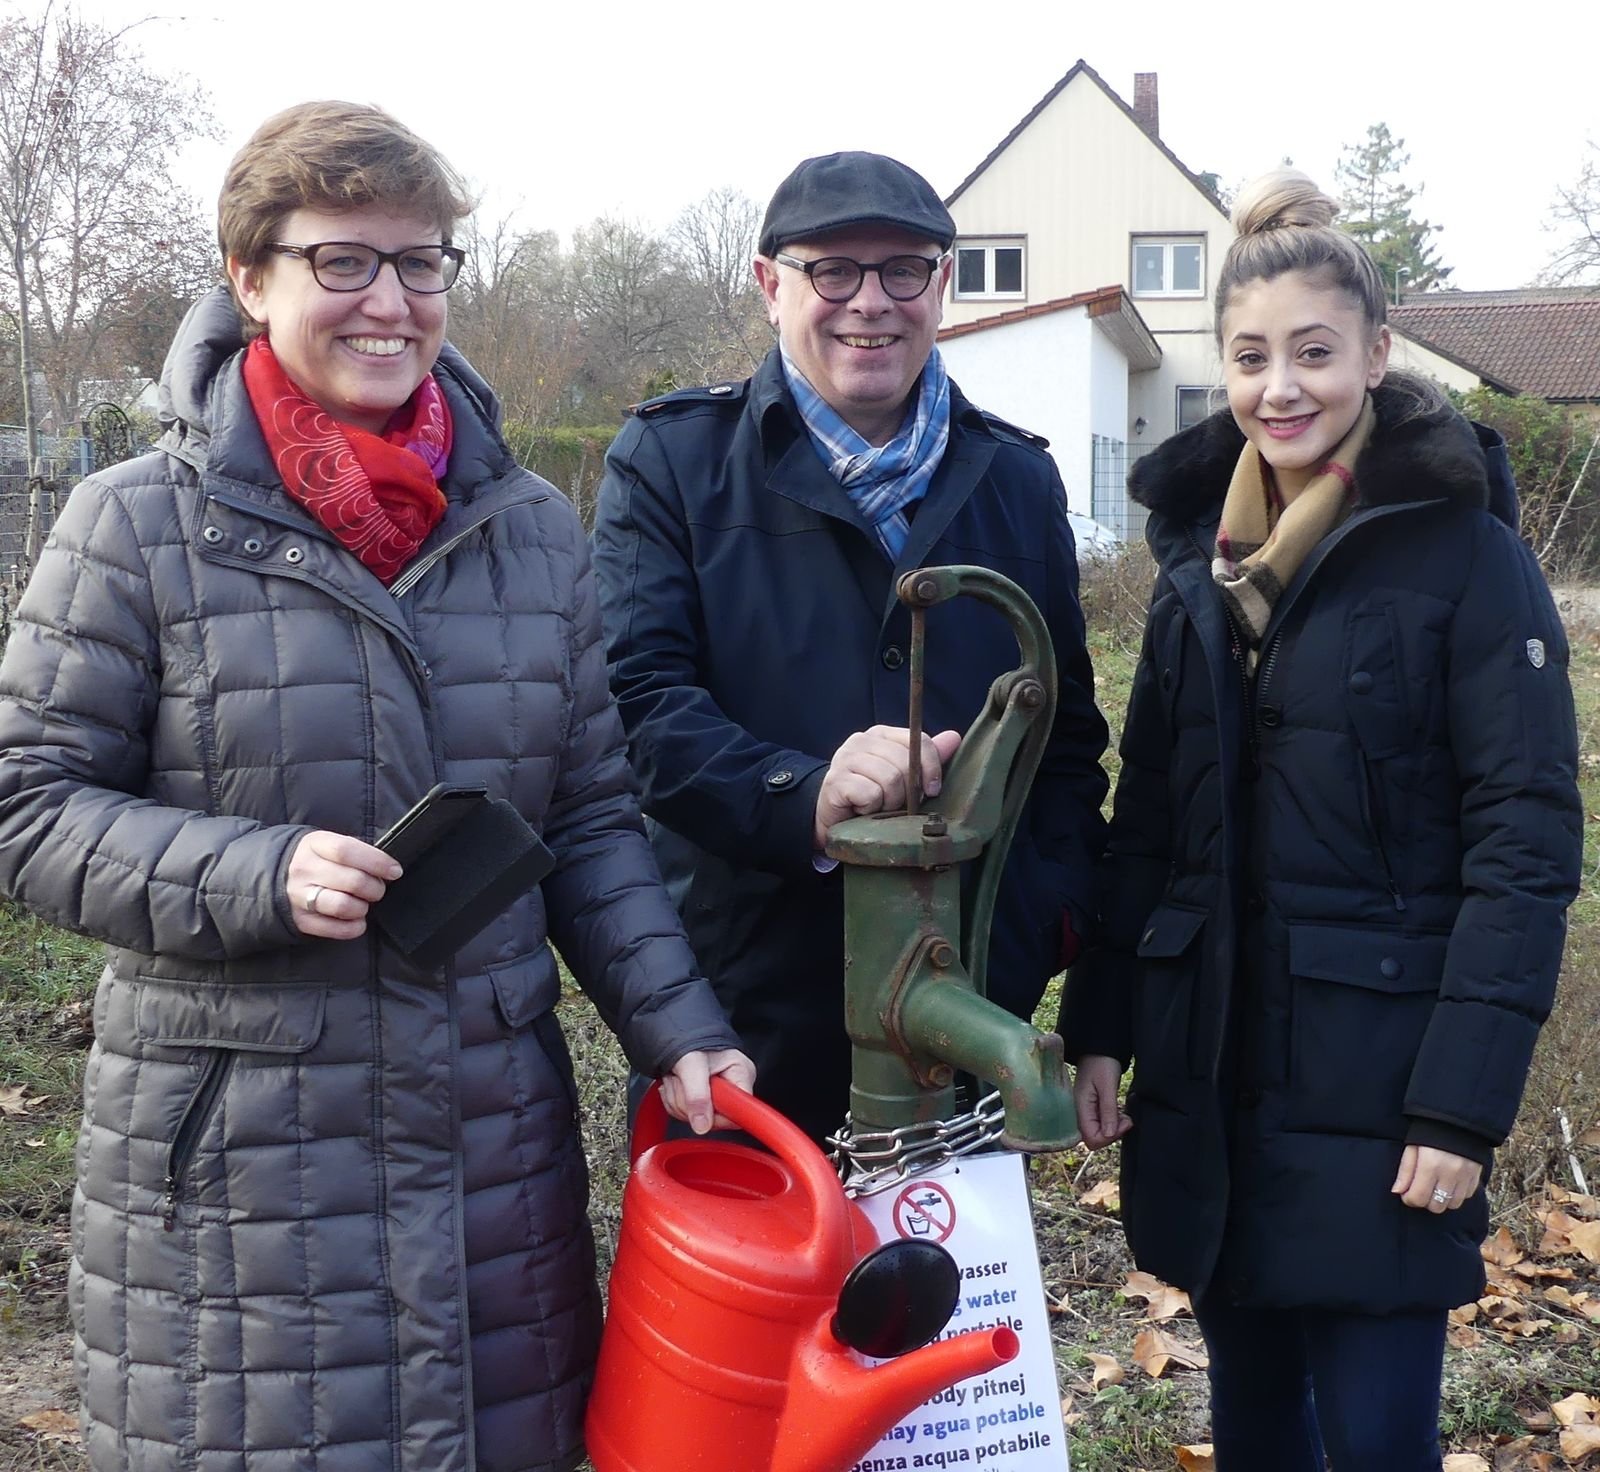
1282	199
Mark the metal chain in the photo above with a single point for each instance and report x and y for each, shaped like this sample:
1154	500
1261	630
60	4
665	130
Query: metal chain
875	1161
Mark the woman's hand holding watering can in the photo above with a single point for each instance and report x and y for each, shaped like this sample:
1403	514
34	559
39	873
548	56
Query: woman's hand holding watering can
686	1086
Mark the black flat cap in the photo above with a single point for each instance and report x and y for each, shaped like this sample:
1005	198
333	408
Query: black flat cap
840	189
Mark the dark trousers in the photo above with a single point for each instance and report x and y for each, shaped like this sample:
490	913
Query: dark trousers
1290	1386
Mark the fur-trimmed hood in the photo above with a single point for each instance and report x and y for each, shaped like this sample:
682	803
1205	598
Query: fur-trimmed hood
1421	449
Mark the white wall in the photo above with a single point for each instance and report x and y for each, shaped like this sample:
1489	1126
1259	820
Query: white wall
1043	374
1078	182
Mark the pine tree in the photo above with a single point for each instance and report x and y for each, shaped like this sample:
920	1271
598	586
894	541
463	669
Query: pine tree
1378	211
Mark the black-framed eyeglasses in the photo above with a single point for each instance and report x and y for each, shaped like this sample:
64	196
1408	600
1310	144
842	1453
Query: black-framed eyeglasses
838	278
346	265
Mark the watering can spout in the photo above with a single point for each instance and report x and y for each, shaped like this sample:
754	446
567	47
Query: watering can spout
837	1407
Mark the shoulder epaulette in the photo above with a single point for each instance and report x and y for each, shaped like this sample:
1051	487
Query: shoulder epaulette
684	398
1006	430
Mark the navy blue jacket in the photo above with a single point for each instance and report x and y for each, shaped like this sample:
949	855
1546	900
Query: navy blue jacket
1335	895
752	626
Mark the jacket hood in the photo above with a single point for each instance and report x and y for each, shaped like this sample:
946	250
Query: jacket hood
1420	450
202	396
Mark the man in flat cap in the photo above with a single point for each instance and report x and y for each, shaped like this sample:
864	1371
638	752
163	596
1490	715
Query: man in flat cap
747	544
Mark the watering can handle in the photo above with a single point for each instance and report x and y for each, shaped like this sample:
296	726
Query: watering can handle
830	1221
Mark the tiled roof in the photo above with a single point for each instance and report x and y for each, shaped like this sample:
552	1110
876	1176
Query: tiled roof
1538	342
1105	298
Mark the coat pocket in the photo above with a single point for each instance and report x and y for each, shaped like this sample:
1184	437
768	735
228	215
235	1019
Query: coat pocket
1375	691
213	1025
1362	1000
1168	972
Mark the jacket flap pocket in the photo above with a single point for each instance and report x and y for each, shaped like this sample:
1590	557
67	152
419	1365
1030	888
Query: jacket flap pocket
526	987
250	1019
1169	930
1380	960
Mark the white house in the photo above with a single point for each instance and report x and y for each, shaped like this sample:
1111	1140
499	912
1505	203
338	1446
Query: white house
1082	203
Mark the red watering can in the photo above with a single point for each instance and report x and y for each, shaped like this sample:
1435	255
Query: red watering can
744	1285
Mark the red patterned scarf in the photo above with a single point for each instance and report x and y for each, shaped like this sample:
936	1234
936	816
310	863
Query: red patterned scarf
378	494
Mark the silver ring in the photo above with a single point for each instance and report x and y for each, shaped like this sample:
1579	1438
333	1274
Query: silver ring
315	893
1442	1196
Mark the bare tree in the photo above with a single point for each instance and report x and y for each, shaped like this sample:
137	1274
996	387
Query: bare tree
714	241
512	315
93	228
1577	212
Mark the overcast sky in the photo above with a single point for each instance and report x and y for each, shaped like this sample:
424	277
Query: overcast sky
565	111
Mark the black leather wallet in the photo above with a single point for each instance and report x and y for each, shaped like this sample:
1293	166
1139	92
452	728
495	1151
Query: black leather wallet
466	856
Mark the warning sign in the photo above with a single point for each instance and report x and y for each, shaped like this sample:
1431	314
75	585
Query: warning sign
925	1210
1010	1419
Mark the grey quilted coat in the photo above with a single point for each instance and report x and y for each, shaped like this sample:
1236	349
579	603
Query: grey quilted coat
331	1209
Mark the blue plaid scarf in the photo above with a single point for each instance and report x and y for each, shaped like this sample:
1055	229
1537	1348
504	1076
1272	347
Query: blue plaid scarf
880	481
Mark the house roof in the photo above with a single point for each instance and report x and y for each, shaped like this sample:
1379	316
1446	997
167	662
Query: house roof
1081	68
1110	308
1541	342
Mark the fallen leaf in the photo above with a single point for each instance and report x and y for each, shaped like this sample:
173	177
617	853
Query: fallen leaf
1106	1371
1103	1194
1465	1314
1161	1300
1196	1458
1502	1249
1576	1442
1576	1409
14	1100
1585	1238
53	1425
1463	1336
1567	1334
1537	1422
1465	1462
1590	1137
1154	1350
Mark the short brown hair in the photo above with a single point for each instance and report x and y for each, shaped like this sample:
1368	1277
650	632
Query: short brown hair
331	156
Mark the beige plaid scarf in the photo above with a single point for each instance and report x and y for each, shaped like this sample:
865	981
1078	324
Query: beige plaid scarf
1262	540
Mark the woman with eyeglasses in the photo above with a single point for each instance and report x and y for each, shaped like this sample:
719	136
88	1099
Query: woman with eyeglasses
331	1201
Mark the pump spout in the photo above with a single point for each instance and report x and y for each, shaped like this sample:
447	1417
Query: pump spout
941	1017
838	1407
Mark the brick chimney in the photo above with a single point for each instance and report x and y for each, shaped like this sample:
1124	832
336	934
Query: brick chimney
1146	107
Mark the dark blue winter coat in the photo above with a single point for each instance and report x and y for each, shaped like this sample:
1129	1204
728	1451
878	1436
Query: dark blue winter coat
1335	896
752	626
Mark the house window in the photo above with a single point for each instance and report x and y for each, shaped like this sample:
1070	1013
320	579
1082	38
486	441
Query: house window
989	269
1172	265
1195	404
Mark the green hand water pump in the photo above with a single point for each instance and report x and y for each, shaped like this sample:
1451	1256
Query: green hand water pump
919	888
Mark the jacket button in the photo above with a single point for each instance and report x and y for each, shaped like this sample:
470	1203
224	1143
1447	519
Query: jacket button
295	554
721	388
253	546
1168	679
780	779
1149	936
1272	716
1360	682
893	658
1255	903
212	534
1392	970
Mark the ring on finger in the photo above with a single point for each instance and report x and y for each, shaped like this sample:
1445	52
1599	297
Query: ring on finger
1442	1197
313	897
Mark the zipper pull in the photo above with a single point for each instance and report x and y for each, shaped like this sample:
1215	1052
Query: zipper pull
1399	903
169	1217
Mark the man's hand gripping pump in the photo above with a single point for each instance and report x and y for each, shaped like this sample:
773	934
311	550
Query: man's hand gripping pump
920	891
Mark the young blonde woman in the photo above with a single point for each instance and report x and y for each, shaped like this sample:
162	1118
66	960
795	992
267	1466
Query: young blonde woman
1346	833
